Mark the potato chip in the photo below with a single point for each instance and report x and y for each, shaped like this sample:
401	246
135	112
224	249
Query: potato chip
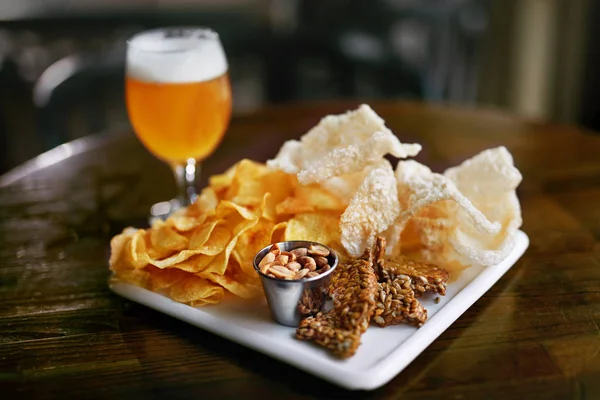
217	241
184	223
201	234
278	232
138	256
322	227
118	246
279	184
232	212
319	198
135	251
236	281
206	202
128	257
293	205
174	259
161	279
220	183
196	291
165	240
309	199
183	286
250	242
269	207
194	264
372	210
219	264
235	285
247	187
138	276
187	218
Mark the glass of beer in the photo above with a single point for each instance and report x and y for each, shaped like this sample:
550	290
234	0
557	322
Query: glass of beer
178	100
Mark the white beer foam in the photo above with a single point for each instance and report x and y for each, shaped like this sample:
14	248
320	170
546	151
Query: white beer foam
151	57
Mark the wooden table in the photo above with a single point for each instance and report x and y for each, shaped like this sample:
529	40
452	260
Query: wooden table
63	334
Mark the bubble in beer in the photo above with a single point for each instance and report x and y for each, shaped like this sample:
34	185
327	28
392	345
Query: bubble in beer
189	56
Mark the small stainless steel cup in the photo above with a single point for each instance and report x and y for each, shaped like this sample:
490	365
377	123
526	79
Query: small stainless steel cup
292	300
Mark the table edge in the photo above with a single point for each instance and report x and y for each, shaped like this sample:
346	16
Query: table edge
60	153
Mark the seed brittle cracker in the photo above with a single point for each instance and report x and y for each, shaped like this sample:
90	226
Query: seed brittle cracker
401	281
353	288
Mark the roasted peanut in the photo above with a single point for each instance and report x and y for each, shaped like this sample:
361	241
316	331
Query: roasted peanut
308	262
291	256
299	252
318	250
267	259
265	268
281	272
301	274
324	268
275	249
293	266
281	259
321	261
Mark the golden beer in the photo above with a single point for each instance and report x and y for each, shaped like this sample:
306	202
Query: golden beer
178	121
178	99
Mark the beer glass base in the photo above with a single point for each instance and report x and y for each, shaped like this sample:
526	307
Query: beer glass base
163	210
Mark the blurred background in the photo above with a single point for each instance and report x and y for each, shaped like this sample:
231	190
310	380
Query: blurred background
62	61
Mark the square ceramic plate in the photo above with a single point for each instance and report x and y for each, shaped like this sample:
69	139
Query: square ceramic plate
383	354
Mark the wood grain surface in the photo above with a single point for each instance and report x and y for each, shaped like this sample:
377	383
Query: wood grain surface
63	334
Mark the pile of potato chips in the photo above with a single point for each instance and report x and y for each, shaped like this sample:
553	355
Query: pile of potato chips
202	252
333	186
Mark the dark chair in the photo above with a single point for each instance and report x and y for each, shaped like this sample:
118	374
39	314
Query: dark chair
78	90
12	96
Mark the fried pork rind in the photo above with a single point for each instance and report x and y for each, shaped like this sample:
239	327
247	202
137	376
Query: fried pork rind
340	145
469	214
372	210
346	186
354	158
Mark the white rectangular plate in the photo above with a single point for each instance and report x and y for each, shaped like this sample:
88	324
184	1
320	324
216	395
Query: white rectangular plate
383	353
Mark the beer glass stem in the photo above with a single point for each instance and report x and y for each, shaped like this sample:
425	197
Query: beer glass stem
185	177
